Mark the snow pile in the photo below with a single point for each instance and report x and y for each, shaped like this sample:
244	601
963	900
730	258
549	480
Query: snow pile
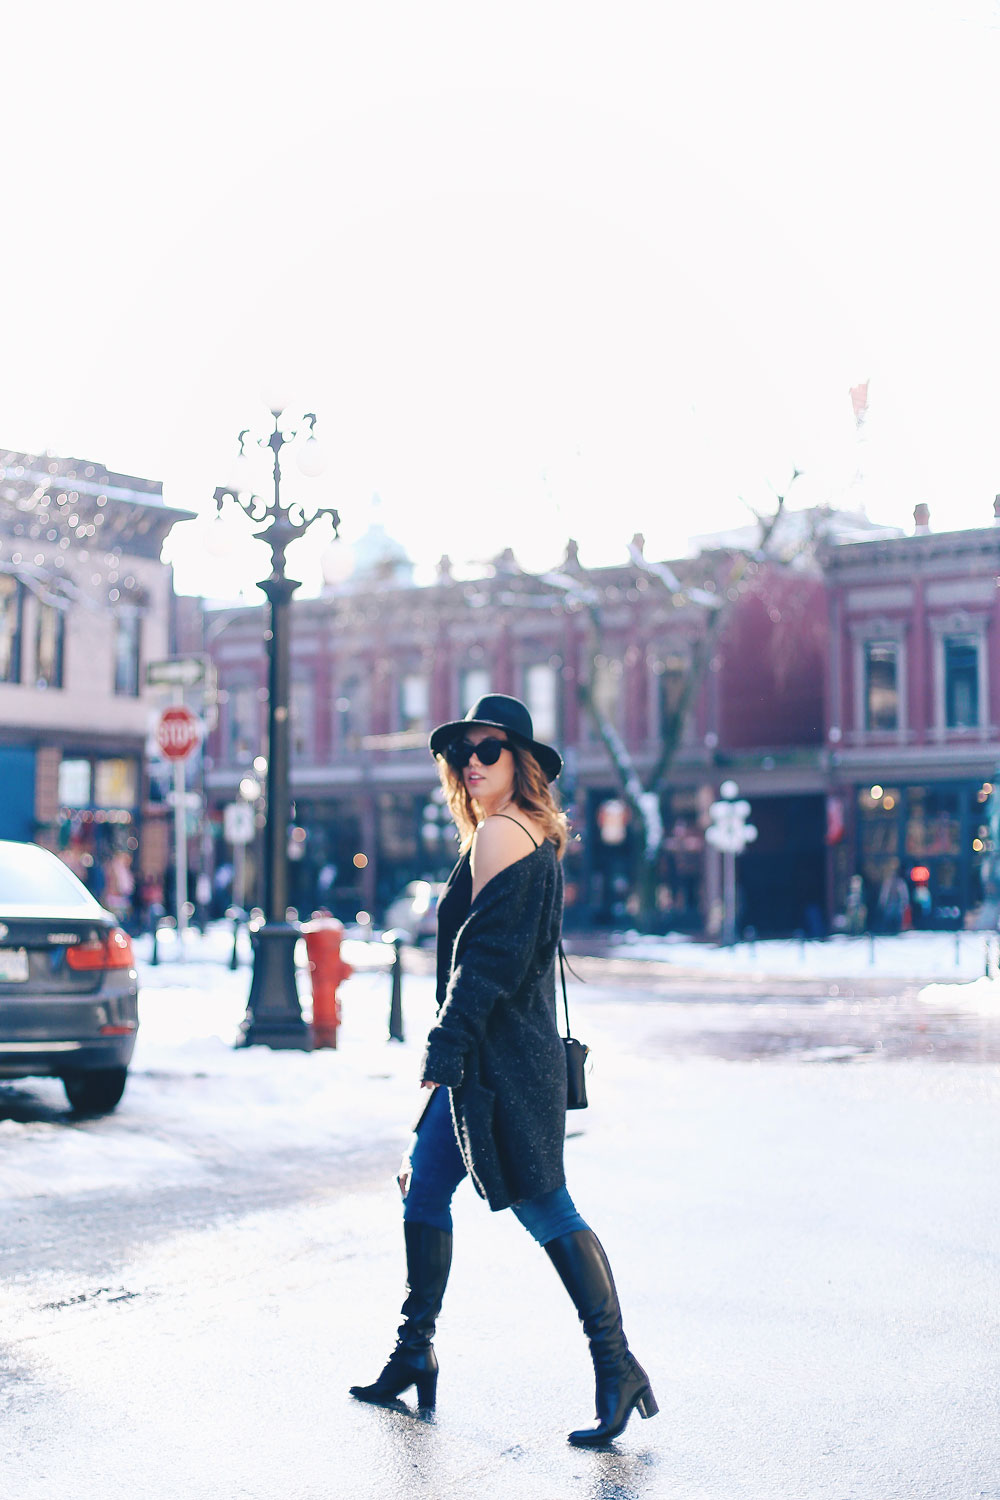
980	995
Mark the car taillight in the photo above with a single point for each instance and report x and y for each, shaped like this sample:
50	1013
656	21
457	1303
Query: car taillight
111	952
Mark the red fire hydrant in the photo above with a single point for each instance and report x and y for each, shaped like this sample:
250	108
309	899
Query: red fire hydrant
326	971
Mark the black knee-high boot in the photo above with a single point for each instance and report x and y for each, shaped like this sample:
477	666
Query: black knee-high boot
413	1361
622	1383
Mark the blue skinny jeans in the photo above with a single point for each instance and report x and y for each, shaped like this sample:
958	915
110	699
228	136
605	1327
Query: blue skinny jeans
437	1168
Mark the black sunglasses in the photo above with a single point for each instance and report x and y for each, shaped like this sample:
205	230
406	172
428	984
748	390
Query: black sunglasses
487	752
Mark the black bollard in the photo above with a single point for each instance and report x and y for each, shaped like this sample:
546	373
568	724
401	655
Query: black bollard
155	914
236	915
396	1004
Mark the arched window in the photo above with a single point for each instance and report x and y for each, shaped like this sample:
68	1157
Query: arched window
11	617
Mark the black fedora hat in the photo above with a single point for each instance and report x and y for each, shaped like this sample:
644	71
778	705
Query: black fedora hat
497	711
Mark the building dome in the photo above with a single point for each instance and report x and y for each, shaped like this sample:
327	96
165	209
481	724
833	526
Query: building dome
378	557
375	557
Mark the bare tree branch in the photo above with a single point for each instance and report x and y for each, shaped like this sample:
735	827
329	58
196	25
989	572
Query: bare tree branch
715	609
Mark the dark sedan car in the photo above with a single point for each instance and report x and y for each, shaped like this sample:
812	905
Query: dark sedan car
68	985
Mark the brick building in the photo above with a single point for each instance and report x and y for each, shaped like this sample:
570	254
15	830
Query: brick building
377	661
854	702
912	713
84	603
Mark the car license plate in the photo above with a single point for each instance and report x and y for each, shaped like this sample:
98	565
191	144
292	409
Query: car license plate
13	965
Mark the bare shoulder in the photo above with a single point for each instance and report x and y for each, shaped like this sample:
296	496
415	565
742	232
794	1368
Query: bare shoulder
499	843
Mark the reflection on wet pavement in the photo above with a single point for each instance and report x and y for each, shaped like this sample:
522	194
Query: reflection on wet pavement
774	1018
844	1028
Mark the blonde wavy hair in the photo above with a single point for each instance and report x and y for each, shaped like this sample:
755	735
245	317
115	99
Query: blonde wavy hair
532	793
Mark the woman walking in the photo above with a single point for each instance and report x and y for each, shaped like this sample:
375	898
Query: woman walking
495	1063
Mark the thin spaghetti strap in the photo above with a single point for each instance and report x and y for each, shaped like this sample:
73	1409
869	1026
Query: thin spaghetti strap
520	825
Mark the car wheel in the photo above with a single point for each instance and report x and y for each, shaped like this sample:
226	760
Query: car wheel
96	1092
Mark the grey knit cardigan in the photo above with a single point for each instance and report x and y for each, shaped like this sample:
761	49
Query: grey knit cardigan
496	1044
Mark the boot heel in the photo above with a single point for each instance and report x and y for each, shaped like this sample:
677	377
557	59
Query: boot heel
427	1391
647	1404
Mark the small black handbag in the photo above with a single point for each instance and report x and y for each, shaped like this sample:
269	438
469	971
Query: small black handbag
576	1054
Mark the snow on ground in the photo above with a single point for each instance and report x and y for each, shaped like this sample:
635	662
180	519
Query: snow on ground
195	1100
979	995
192	1095
910	955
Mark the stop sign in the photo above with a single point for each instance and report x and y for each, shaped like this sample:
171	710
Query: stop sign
177	732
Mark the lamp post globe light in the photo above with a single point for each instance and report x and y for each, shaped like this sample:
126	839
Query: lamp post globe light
274	1016
729	832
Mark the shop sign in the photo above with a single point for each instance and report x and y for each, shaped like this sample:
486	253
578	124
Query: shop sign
238	822
176	671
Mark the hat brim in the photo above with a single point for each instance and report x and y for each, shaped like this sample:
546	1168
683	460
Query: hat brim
549	759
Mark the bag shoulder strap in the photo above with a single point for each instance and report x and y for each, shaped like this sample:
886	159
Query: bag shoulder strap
564	964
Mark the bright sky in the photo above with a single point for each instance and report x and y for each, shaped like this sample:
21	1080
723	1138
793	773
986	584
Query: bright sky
541	269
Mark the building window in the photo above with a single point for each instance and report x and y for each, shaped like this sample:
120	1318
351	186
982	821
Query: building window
541	694
609	679
128	643
116	783
961	682
473	684
11	616
397	828
670	673
351	708
881	685
74	783
414	701
49	646
242	741
300	708
933	823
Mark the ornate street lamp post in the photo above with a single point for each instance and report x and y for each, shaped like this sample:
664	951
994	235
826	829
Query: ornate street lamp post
274	1016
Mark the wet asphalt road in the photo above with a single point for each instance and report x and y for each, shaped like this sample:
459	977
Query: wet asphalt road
807	1247
846	1020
